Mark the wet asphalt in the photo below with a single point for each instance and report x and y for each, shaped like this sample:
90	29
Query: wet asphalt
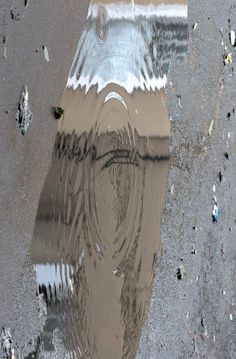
193	317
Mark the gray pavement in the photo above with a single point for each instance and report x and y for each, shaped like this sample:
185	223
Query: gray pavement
193	317
24	160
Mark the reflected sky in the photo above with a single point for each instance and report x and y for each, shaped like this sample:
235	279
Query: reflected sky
97	229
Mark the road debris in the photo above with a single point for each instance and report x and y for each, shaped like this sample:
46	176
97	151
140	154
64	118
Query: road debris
195	25
58	112
232	38
15	15
193	251
228	59
45	52
23	115
26	3
181	272
231	316
179	97
6	344
215	213
4	41
220	176
226	155
210	128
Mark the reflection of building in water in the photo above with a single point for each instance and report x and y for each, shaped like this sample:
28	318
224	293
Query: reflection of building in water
98	222
131	47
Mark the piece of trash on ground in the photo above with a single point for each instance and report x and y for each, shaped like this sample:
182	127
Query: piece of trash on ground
181	272
23	115
210	128
179	101
58	112
228	59
215	213
26	3
232	38
195	25
46	54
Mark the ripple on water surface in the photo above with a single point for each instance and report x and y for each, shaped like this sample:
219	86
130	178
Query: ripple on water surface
97	228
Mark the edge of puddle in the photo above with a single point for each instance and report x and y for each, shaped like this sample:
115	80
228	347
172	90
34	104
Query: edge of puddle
193	317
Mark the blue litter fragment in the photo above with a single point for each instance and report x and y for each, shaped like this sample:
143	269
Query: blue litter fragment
215	213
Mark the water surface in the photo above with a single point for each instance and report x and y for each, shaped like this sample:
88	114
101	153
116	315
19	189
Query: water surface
97	229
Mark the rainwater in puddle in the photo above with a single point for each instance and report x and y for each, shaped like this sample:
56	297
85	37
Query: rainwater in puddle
97	229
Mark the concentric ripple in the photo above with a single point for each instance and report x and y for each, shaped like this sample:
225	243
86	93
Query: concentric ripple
97	229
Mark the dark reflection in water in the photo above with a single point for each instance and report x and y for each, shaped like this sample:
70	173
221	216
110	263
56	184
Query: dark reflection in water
97	229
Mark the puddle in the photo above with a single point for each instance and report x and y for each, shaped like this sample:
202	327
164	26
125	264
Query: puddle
97	229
